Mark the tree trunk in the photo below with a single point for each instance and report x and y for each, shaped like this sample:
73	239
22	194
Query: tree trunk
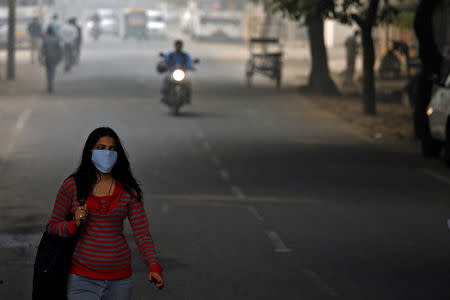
368	72
319	78
366	24
11	68
431	63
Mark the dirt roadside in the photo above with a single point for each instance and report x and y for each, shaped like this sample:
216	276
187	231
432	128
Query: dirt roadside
391	126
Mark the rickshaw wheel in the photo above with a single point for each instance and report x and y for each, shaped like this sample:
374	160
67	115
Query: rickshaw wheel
278	82
249	80
249	73
175	110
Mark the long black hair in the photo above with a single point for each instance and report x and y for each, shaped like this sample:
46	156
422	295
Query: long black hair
86	173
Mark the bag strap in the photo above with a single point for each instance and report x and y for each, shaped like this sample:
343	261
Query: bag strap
80	200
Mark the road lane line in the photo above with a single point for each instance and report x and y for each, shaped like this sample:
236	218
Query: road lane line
164	208
22	119
225	175
207	145
278	244
255	213
200	134
215	160
437	176
319	282
232	198
237	192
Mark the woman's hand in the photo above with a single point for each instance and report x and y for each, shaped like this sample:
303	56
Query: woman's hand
157	279
81	214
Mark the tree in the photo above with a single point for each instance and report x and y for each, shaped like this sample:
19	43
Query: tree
366	14
312	13
11	67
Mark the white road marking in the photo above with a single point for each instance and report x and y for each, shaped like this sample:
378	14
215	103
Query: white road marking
200	134
10	241
225	175
22	119
207	145
216	161
252	113
237	192
255	213
233	199
319	282
164	208
278	244
437	176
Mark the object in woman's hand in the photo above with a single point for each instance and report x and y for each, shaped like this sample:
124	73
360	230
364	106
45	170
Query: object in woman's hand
154	280
157	280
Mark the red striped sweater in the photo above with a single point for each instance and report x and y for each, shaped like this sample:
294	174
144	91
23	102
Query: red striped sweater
102	251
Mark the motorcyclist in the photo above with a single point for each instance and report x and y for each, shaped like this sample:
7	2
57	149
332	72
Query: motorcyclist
175	59
96	30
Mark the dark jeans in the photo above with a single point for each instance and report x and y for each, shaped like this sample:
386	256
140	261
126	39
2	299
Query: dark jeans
51	72
83	288
68	57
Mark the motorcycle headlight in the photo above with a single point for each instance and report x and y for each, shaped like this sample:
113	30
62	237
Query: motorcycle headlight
178	75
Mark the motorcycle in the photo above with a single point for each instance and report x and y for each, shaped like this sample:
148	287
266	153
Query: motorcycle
95	32
177	90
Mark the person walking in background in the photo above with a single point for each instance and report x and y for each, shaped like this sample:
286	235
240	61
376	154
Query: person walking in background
35	33
55	23
78	41
351	46
101	262
51	54
68	35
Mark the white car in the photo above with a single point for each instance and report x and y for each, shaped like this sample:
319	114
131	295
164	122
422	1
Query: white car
438	112
156	25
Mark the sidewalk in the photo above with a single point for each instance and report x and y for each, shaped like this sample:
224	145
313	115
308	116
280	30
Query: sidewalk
29	78
15	98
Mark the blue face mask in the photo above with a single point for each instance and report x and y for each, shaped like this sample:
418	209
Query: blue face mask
104	160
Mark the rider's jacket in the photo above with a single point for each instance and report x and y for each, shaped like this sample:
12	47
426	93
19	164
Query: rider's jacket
175	59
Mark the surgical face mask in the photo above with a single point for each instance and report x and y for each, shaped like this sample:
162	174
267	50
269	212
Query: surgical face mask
104	160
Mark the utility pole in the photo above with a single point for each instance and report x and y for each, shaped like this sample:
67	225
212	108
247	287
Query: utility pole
11	72
40	4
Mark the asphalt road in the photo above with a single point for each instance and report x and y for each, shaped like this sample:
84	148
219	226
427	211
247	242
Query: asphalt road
251	193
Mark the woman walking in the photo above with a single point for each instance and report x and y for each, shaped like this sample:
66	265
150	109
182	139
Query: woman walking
101	263
51	53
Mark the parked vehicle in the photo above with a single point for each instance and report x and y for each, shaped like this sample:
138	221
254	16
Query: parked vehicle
438	112
135	23
156	25
266	59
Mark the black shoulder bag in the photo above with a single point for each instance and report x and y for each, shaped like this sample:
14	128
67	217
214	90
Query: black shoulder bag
52	264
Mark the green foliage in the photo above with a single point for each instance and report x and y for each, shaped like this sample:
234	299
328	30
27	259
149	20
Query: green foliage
342	10
302	10
404	19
